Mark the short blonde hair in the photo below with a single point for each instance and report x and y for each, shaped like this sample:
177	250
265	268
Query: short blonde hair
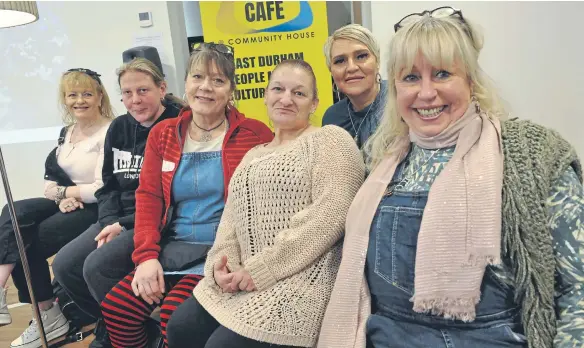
353	32
443	42
78	79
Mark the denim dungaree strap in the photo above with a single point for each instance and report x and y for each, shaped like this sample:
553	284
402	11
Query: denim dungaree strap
390	275
197	193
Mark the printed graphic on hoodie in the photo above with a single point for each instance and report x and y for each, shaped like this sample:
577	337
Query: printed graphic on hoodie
125	163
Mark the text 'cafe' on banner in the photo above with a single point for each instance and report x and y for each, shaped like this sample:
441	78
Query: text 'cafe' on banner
263	33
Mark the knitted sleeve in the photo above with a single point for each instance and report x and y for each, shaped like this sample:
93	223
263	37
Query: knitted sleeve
566	205
225	244
150	200
337	174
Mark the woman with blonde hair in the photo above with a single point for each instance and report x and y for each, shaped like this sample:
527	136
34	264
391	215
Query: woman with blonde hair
468	232
352	56
93	263
72	176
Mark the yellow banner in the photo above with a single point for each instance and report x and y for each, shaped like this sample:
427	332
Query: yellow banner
264	33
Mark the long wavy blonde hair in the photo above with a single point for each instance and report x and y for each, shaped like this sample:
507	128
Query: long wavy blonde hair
443	42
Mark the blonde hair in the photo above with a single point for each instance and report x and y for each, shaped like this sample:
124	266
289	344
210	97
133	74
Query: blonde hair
443	42
145	66
354	32
78	79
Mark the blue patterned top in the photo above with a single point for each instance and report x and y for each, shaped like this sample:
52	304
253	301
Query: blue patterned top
566	210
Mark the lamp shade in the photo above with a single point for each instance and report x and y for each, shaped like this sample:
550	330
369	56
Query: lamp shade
14	13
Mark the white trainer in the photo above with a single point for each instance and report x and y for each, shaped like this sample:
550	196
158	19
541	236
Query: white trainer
5	317
54	323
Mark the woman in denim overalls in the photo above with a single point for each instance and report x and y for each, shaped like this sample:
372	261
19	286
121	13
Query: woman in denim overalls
431	232
188	164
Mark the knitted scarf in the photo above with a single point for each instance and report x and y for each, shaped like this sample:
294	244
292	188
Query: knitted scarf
453	252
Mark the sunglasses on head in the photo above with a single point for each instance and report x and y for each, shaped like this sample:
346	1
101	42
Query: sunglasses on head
91	73
440	12
217	47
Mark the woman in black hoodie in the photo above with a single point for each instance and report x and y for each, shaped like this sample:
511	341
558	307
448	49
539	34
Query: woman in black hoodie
92	264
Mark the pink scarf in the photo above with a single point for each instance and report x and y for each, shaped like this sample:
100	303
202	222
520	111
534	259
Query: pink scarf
460	232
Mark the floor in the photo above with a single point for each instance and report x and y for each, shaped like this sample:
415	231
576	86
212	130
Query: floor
21	315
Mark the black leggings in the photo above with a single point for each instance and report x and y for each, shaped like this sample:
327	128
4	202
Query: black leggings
191	326
44	230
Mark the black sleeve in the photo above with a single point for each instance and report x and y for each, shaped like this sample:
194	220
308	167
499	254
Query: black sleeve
108	197
53	171
127	221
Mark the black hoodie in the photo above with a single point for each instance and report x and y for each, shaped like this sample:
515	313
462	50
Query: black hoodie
124	146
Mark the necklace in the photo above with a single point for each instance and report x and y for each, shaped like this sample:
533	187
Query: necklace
206	136
361	123
400	185
356	138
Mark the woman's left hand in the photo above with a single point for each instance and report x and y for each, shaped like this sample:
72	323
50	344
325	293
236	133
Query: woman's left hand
68	205
242	281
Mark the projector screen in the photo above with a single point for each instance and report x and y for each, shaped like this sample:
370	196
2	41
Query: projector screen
33	58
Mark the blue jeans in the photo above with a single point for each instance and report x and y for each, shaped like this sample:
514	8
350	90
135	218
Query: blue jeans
390	275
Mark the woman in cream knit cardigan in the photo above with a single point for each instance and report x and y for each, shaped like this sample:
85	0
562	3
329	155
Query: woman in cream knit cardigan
272	267
468	232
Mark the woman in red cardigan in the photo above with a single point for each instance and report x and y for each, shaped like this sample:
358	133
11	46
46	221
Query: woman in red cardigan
187	166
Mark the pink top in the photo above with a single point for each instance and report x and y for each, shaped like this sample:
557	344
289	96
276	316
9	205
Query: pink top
82	162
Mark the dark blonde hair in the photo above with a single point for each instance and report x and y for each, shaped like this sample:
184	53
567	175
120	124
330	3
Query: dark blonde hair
301	64
145	66
78	79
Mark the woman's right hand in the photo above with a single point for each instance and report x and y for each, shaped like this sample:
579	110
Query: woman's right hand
108	233
222	275
148	281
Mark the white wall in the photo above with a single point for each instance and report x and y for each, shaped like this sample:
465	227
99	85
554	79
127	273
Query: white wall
533	51
71	35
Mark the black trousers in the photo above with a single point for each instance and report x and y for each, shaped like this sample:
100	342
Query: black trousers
45	230
89	273
191	326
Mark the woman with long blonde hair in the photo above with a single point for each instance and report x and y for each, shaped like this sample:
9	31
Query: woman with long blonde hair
468	232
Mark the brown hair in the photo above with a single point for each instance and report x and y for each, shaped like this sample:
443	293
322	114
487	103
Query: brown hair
301	64
74	79
206	56
145	66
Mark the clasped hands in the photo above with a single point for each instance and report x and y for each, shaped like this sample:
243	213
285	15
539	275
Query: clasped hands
232	282
148	281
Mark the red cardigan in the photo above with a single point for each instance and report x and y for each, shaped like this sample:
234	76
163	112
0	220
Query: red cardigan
161	159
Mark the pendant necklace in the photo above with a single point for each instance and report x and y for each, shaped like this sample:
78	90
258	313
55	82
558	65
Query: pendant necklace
206	136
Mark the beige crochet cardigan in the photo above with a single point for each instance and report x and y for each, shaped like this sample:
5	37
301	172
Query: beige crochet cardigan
283	222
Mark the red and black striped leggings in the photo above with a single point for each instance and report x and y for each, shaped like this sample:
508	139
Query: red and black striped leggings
125	315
